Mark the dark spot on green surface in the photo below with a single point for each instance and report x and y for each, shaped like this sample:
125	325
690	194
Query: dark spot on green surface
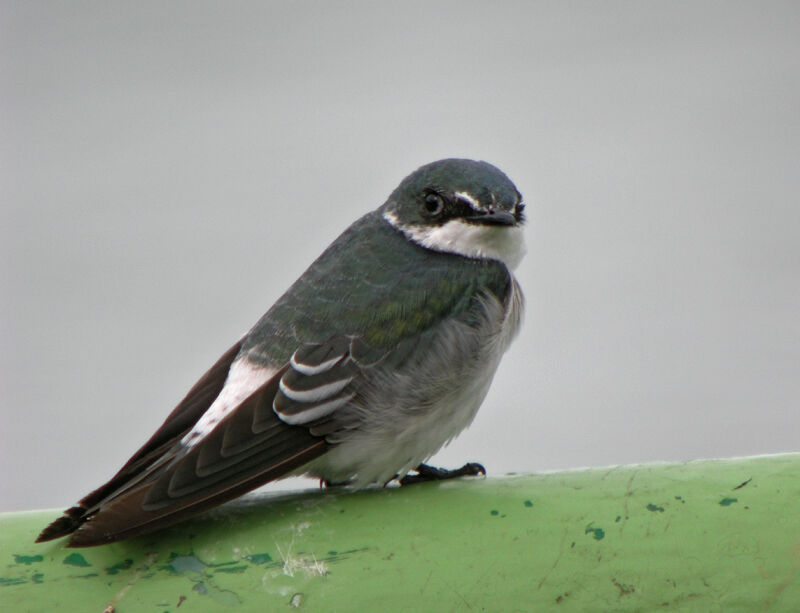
182	564
561	597
338	556
528	503
12	581
494	512
618	518
115	568
259	558
27	560
76	559
197	571
743	483
653	508
598	533
232	569
573	545
37	578
623	588
86	576
726	502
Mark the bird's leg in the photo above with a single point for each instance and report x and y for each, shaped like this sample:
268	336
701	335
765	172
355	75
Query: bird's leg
431	473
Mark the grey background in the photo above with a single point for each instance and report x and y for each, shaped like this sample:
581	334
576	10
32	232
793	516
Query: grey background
168	169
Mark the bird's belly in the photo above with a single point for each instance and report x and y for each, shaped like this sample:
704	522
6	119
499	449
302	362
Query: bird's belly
378	454
409	416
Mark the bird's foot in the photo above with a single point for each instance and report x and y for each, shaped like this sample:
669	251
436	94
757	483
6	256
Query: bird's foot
432	473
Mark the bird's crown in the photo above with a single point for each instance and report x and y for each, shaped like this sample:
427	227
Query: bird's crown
467	190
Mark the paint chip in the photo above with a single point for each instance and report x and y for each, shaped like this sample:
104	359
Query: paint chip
124	565
259	558
75	559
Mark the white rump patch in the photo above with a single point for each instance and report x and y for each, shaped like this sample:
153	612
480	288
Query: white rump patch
244	377
489	242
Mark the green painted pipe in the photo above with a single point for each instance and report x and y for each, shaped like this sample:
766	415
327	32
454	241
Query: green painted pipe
718	535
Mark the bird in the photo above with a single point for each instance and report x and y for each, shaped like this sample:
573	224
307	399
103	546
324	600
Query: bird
377	356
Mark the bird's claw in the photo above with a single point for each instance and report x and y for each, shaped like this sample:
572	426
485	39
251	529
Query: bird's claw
432	473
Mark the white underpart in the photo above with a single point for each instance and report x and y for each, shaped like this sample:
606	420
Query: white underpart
244	378
491	242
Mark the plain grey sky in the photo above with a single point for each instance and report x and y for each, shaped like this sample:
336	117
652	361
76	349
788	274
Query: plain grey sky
168	169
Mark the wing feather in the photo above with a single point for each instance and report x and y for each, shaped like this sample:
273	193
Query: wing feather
248	448
177	423
228	462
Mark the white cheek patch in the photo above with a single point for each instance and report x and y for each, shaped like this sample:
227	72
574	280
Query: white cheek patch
503	243
244	378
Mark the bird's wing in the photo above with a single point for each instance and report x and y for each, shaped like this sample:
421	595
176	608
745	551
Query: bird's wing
274	431
250	446
179	421
324	379
175	426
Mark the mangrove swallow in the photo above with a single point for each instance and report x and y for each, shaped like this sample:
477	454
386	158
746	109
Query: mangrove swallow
377	356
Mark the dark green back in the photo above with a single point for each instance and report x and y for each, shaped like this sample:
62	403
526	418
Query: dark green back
375	284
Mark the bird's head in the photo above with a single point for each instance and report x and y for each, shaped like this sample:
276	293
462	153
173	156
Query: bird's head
460	206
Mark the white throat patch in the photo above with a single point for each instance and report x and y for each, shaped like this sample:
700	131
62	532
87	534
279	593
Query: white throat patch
503	243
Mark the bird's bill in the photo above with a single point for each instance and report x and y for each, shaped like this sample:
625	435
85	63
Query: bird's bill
494	218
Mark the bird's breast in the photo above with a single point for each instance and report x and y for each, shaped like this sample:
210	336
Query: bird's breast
410	414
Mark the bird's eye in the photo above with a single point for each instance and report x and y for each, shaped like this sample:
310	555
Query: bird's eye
434	203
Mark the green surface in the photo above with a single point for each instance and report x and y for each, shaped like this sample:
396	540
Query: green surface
719	535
